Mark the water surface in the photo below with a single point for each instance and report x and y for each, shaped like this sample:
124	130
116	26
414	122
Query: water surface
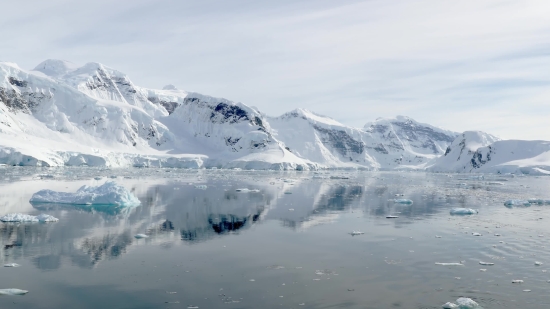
286	246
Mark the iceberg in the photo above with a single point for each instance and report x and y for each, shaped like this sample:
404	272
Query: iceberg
403	201
463	211
110	193
462	303
517	203
13	292
17	217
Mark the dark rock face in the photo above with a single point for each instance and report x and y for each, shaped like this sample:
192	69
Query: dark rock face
477	159
169	106
341	141
23	102
412	131
16	82
230	113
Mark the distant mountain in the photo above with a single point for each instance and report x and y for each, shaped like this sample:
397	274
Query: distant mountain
480	152
92	115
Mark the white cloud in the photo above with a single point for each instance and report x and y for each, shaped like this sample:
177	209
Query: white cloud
461	65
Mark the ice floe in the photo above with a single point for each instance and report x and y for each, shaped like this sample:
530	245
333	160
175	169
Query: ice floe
139	236
403	201
462	303
450	264
354	233
245	190
12	265
110	193
463	211
517	203
13	292
18	217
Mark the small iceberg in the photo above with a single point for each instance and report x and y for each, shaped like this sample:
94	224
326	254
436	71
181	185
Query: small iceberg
449	264
110	193
12	265
17	217
354	233
462	303
245	190
403	201
463	211
13	292
517	203
139	236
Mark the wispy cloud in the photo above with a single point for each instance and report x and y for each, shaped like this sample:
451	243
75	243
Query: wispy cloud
461	65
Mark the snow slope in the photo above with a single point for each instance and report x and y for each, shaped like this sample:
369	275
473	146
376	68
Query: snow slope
384	144
483	153
92	115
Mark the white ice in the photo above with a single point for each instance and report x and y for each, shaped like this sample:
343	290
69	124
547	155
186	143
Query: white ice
463	211
139	236
13	292
110	193
403	201
17	217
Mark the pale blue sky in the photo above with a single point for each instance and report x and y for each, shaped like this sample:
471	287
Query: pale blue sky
461	65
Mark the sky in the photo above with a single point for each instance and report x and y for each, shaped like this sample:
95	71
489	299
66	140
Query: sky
460	65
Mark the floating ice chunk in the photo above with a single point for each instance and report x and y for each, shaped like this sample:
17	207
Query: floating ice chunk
517	203
467	303
12	265
202	187
246	190
46	218
392	217
139	236
449	306
517	281
486	263
110	193
17	217
538	263
13	292
403	201
353	233
476	234
463	211
450	264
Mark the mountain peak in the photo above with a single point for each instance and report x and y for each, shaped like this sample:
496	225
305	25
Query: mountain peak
169	87
55	67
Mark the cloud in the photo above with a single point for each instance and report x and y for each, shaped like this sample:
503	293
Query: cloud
460	65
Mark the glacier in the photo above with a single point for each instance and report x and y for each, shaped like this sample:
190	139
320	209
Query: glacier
63	114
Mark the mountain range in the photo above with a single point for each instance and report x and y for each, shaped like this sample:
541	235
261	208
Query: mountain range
61	114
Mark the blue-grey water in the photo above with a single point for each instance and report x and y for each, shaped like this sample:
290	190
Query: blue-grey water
286	246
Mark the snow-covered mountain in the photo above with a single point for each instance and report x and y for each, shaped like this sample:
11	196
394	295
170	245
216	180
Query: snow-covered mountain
383	144
480	152
64	114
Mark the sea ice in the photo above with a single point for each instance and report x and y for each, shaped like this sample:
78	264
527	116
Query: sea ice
516	203
13	292
450	264
17	217
139	236
486	263
449	306
463	211
12	265
246	190
353	233
467	303
110	193
403	201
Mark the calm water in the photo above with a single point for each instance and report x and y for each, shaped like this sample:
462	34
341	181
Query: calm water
286	246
